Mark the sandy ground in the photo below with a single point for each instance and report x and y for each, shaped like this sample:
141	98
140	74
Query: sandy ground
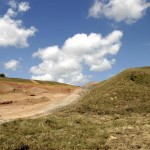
30	100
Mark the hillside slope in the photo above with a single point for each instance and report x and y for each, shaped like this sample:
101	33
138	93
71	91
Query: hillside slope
25	98
125	93
113	115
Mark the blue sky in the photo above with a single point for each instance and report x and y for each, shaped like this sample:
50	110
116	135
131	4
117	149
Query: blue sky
73	41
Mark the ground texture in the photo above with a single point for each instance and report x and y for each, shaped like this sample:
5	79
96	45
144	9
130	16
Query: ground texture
112	115
19	100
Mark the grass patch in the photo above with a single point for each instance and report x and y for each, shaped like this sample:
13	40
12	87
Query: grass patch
118	95
30	81
16	80
54	132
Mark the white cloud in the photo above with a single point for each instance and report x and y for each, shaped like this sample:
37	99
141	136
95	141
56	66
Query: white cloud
12	4
12	31
49	53
119	10
12	65
66	64
96	9
23	6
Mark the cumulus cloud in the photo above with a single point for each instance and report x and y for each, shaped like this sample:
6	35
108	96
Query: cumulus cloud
12	31
23	6
66	64
12	4
119	10
12	65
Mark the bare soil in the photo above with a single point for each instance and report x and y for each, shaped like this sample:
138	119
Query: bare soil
20	100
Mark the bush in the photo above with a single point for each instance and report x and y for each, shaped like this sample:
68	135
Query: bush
2	75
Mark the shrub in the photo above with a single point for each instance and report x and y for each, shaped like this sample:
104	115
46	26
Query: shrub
2	75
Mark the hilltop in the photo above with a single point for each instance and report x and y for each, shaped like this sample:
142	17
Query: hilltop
114	114
128	92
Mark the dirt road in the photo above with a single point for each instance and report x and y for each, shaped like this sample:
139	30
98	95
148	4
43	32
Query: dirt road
39	102
64	102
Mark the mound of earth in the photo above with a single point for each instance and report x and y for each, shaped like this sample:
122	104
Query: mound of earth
26	99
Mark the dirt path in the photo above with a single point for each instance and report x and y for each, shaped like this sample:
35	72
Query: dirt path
63	102
31	111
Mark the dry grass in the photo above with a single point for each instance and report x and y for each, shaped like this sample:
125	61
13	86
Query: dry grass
30	81
114	115
119	95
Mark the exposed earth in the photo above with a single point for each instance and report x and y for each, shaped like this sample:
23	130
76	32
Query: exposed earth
19	100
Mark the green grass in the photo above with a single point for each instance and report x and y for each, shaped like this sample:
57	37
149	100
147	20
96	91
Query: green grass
54	132
16	80
50	82
119	95
113	115
19	80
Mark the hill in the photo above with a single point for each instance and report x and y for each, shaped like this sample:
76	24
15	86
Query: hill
115	114
124	93
26	98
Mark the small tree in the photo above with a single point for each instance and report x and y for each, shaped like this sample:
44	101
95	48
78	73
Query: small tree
2	75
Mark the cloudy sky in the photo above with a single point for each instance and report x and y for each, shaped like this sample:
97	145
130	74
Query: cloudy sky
73	41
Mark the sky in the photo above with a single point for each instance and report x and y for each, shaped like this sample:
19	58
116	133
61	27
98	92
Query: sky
73	41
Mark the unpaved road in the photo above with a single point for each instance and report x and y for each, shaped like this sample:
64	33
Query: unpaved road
73	97
34	101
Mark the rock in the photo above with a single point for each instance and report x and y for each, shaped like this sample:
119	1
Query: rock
112	98
112	138
130	128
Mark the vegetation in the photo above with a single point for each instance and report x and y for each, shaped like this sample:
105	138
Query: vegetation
50	82
123	94
30	81
2	75
113	115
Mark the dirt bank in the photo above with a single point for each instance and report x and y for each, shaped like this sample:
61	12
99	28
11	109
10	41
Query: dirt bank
27	100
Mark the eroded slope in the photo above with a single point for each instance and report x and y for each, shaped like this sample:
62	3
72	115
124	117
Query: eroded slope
30	98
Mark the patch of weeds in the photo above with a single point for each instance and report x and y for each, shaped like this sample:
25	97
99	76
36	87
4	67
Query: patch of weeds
133	77
23	147
55	123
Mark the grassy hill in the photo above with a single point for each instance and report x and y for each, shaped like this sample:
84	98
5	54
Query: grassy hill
113	115
19	80
126	92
